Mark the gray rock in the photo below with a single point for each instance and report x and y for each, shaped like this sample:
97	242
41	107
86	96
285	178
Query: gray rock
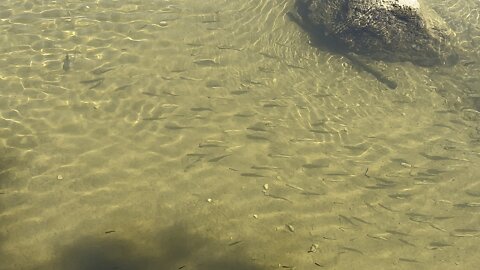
392	30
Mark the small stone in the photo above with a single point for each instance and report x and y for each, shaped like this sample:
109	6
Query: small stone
265	187
209	200
59	177
404	164
255	216
163	23
313	248
290	228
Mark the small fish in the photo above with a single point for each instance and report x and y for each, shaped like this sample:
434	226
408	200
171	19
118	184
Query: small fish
379	186
465	233
153	118
438	244
468	63
278	197
400	196
96	85
419	217
467	204
268	55
386	207
396	232
435	158
196	155
238	92
279	156
294	187
310	193
101	70
346	219
92	80
406	242
379	236
408	260
123	87
249	81
319	131
151	94
257	128
352	249
209	145
251	175
228	47
201	109
205	62
190	78
264	167
234	243
170	94
244	114
214	84
173	126
272	105
66	63
216	159
315	166
255	137
361	220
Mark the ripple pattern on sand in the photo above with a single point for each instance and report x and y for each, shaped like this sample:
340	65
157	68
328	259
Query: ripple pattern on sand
219	116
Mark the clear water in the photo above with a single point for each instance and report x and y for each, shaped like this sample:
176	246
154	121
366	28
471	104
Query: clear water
210	135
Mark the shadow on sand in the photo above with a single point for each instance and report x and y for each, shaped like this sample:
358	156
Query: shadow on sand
174	248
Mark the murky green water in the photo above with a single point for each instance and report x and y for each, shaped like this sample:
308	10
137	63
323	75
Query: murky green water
210	135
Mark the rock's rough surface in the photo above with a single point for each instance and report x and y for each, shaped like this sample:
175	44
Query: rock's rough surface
395	30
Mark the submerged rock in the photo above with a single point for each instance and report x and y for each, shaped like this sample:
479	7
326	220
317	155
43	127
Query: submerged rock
392	30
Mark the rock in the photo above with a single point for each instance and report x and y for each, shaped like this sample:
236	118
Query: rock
392	30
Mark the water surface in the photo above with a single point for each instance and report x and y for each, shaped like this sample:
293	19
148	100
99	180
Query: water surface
210	135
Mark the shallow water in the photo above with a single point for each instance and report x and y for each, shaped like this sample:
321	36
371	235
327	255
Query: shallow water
211	135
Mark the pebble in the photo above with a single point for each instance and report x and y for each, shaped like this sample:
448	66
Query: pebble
255	216
59	177
265	187
209	200
404	164
313	248
163	23
290	228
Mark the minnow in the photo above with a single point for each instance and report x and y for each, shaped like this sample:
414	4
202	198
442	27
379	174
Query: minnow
234	243
66	63
205	62
120	88
153	118
201	109
251	175
408	260
218	158
101	70
254	137
346	219
264	167
352	249
93	80
278	197
150	94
